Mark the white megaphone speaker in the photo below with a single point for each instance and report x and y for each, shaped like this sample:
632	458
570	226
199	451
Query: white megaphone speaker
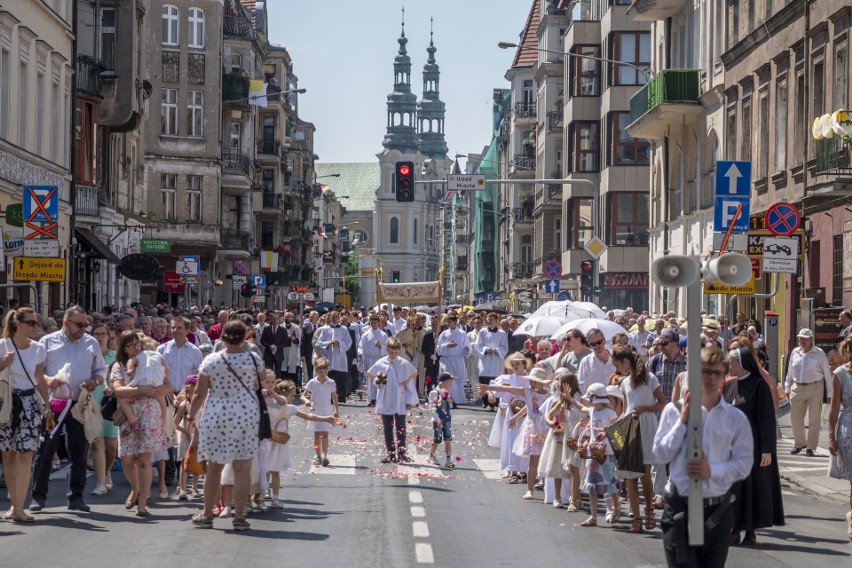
731	269
675	270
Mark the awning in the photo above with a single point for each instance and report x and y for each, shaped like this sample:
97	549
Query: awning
97	246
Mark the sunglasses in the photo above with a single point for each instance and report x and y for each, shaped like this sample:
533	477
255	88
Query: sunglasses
31	323
596	343
663	343
78	324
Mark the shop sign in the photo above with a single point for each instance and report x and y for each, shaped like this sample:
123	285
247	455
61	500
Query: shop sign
625	280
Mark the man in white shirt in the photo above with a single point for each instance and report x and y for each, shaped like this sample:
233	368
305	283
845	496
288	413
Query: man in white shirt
598	366
398	322
334	340
728	448
640	337
371	348
492	345
808	378
453	347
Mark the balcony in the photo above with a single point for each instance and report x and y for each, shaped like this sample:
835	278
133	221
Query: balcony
655	10
235	163
238	26
88	76
271	201
235	89
582	11
522	269
86	201
298	145
525	110
523	214
668	100
524	162
832	157
235	239
268	147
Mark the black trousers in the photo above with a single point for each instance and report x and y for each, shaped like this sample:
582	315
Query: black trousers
391	422
341	379
713	554
78	448
274	365
485	403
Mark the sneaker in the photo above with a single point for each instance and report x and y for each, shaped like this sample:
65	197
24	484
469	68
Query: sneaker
450	464
202	522
99	489
36	505
558	504
317	461
226	512
77	505
432	459
108	483
260	507
528	496
240	525
276	504
325	462
182	496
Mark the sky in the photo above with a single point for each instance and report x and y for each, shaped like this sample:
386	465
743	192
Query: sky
343	54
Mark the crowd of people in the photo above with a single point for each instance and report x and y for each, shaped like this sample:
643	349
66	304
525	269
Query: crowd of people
185	388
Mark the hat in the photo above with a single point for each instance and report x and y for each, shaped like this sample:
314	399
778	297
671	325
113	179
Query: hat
444	377
613	390
206	347
682	342
538	373
670	334
754	329
805	333
711	325
597	393
190	380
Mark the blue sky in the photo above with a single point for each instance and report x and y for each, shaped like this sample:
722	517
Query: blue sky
343	54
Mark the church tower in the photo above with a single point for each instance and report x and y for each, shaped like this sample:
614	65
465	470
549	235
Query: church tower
402	105
431	110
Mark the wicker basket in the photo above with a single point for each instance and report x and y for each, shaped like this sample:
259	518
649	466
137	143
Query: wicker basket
558	431
280	437
572	444
597	450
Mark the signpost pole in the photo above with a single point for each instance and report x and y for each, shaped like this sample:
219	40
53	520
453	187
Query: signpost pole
694	450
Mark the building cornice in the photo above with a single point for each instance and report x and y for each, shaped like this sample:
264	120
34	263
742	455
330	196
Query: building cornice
783	19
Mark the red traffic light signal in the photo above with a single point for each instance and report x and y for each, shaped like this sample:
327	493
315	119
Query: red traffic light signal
404	170
586	266
404	178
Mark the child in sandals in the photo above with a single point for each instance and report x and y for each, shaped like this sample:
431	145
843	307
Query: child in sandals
441	401
148	368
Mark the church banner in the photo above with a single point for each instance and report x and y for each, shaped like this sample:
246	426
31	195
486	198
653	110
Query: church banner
409	293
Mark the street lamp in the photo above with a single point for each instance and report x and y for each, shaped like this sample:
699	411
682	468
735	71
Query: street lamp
644	70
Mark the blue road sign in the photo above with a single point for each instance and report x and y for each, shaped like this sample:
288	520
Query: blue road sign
551	286
733	178
553	269
259	280
41	203
563	296
726	207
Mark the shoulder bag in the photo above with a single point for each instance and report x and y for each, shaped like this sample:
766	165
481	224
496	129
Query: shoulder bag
19	404
265	427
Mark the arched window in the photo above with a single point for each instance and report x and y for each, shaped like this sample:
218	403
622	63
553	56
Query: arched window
196	27
394	230
170	25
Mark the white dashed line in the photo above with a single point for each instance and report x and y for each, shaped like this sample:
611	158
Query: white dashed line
423	553
418	512
413	480
420	529
415	497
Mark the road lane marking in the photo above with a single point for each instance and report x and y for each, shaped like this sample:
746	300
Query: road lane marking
415	497
420	529
423	553
418	512
489	468
419	465
343	464
413	480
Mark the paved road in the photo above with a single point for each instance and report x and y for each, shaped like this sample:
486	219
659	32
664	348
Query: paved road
361	513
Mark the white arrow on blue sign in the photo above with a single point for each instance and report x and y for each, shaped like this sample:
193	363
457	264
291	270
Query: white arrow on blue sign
551	286
733	178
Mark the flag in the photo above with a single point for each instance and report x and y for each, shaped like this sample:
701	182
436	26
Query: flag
321	232
257	93
268	260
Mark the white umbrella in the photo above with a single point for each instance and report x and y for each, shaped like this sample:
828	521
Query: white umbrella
570	310
609	328
540	326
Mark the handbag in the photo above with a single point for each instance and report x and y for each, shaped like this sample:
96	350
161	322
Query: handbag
18	403
625	438
265	426
191	465
109	403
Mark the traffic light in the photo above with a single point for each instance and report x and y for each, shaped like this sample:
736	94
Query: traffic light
586	286
404	181
247	290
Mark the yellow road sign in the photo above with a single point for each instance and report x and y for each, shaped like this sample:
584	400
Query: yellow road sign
719	288
40	269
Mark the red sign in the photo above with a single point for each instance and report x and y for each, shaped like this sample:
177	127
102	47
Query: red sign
755	267
171	283
783	219
625	280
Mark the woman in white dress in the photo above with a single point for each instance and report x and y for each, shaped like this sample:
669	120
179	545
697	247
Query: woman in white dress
840	425
228	432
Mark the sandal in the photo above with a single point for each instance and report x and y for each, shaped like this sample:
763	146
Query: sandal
650	521
590	522
240	524
528	496
202	522
7	516
750	538
23	519
635	526
572	507
514	480
131	502
735	537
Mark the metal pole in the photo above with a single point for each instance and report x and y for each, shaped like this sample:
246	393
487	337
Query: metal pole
693	428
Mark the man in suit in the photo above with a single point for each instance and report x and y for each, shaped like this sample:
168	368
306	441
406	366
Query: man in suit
309	327
272	338
290	361
431	360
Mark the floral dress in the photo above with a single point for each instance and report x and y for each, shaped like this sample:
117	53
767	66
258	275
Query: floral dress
600	472
151	436
840	466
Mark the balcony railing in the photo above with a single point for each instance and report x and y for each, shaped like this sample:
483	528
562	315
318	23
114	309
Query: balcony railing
524	162
669	86
235	88
301	145
832	157
238	26
88	77
522	269
271	201
86	201
524	213
235	239
554	117
525	110
235	163
267	146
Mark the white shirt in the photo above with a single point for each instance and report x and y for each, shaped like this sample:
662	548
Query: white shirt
85	357
182	361
367	348
392	396
592	370
33	356
397	325
491	364
336	354
726	440
808	368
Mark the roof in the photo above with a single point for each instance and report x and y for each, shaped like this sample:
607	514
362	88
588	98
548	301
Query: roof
358	182
529	38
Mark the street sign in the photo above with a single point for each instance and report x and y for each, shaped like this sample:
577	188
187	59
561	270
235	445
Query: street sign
552	269
172	283
783	219
524	296
41	203
551	286
563	296
737	243
726	208
41	269
756	239
15	214
259	280
465	182
780	255
733	178
185	267
43	248
238	280
719	288
259	299
755	267
595	247
155	245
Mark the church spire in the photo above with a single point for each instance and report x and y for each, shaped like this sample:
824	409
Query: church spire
402	103
431	110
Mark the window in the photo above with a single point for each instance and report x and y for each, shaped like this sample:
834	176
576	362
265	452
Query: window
5	91
733	22
818	88
268	136
394	230
557	233
801	107
108	38
837	271
708	192
23	111
626	150
169	104
581	210
528	94
585	73
841	76
629	216
170	25
526	249
631	47
84	141
745	146
780	138
168	186
40	93
195	114
415	230
267	235
236	62
57	127
269	180
236	130
193	193
359	236
585	147
763	141
196	28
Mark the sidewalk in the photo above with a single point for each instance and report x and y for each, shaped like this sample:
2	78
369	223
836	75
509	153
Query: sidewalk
809	474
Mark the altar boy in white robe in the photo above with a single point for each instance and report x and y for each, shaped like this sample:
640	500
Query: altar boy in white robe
493	347
453	347
334	340
371	348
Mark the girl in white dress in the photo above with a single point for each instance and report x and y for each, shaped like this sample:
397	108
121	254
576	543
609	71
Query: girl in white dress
563	414
321	394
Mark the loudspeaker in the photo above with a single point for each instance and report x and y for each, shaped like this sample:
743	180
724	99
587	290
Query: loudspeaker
732	269
675	270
